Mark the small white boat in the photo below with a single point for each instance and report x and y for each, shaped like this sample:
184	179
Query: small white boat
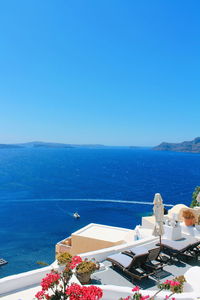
76	215
3	262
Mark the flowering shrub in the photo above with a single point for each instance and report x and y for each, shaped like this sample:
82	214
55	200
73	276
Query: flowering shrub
137	295
172	285
175	286
50	281
76	291
55	285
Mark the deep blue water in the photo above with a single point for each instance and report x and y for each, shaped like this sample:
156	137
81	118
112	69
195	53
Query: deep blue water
39	189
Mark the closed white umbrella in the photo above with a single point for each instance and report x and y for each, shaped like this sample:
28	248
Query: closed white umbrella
198	198
158	210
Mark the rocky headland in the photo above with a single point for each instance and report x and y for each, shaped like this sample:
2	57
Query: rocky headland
187	146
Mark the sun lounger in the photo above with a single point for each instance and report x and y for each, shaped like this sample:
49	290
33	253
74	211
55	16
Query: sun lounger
136	251
154	260
181	248
132	266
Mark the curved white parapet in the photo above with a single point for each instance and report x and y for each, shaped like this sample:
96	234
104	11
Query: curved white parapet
192	278
24	280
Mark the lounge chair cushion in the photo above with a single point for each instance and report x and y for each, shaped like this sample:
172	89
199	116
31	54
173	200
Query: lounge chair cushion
178	245
139	250
123	259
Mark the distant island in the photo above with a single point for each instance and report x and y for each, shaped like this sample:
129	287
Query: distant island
187	146
47	145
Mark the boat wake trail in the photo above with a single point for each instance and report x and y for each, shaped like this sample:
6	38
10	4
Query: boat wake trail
84	200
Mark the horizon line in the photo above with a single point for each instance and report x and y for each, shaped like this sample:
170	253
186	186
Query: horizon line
74	144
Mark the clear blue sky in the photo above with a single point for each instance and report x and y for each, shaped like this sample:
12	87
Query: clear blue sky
104	71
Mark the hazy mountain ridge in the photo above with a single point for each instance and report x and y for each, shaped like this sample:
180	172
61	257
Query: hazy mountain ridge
186	146
46	145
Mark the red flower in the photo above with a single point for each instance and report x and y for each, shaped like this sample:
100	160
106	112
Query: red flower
167	282
136	288
75	292
76	260
174	283
50	280
40	295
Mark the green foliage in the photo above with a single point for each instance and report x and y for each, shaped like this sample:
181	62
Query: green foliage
42	263
194	196
86	267
180	278
64	258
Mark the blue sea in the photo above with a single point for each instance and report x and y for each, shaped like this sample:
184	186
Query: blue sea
41	188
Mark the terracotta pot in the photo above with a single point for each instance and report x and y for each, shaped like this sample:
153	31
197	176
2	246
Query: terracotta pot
84	278
189	222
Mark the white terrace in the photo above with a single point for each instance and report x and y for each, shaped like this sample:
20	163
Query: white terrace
100	241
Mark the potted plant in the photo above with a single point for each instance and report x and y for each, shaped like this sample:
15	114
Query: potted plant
64	258
85	269
188	217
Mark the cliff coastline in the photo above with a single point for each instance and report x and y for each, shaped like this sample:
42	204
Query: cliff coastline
186	146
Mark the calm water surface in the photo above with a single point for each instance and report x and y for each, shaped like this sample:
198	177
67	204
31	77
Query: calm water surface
40	188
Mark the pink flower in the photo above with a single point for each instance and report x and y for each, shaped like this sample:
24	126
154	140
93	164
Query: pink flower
166	297
144	297
40	295
167	282
76	260
75	291
50	280
174	283
136	288
173	298
92	292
